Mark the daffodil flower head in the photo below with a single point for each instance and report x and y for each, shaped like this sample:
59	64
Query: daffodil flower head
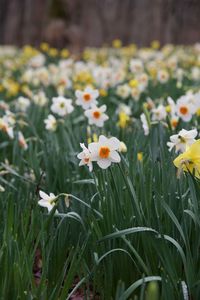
47	201
189	161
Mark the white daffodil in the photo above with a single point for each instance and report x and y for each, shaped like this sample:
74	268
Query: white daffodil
144	124
40	99
104	152
136	66
159	113
182	140
96	115
37	61
61	106
22	103
85	157
143	80
172	106
185	109
47	201
123	91
5	127
163	76
124	108
50	123
87	97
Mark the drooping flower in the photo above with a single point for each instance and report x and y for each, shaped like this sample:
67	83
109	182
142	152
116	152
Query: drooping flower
182	140
22	142
104	152
47	201
189	161
7	128
96	115
87	97
144	124
62	106
85	157
51	123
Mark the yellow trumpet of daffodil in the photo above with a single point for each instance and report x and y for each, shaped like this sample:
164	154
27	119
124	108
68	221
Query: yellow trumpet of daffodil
189	161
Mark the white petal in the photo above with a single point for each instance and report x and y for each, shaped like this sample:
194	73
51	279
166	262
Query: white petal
114	143
78	94
43	203
103	108
52	195
90	167
81	155
115	156
103	139
43	195
104	163
93	147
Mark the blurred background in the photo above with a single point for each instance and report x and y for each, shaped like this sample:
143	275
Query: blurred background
79	23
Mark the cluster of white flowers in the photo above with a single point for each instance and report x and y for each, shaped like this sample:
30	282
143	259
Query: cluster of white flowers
188	105
104	152
7	125
87	99
183	109
60	106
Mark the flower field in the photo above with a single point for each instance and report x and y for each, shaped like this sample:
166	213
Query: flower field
99	173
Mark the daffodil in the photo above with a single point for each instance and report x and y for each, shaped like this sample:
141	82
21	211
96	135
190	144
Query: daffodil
96	115
189	161
105	151
87	97
47	201
50	123
123	119
62	106
182	140
85	157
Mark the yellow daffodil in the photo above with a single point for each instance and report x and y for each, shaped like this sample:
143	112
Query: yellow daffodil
64	53
103	92
155	45
44	47
189	161
198	112
123	119
53	52
117	43
133	83
140	156
168	108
